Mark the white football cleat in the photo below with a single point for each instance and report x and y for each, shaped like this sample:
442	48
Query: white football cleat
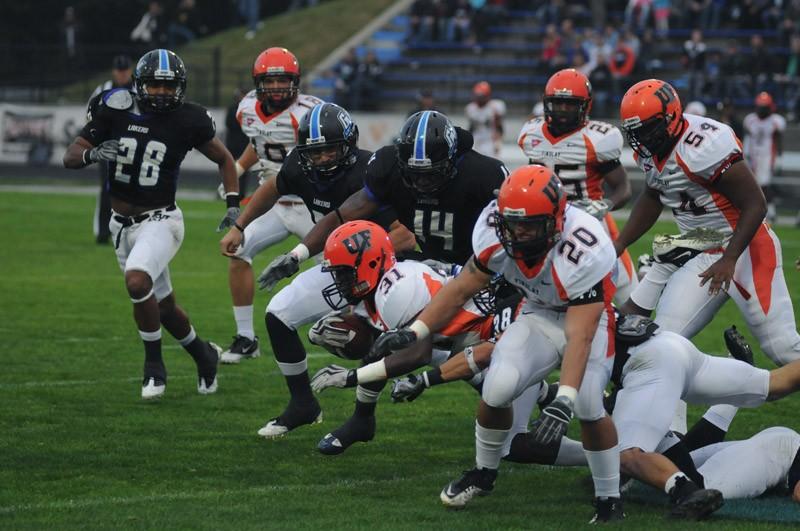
292	417
203	386
153	388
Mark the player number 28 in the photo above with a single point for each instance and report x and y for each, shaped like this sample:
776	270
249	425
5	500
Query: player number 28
152	158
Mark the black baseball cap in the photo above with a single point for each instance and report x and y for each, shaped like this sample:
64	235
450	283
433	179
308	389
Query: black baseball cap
121	62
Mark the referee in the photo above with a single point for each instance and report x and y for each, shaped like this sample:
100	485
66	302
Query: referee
121	76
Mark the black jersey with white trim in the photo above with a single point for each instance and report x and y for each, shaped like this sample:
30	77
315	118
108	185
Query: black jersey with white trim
151	145
442	222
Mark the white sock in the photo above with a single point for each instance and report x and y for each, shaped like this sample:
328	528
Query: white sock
150	336
721	415
489	446
604	465
191	336
244	321
570	453
679	420
671	481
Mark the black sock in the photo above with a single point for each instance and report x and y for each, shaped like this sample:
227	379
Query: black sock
199	351
679	455
288	348
524	450
153	362
435	377
367	409
702	434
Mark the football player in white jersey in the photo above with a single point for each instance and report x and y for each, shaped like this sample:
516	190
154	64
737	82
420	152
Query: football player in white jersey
763	143
584	154
366	276
270	116
564	262
485	115
695	166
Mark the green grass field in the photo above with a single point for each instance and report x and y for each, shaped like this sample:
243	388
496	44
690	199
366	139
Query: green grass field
79	449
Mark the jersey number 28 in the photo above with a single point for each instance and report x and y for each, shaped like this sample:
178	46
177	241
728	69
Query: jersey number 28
150	164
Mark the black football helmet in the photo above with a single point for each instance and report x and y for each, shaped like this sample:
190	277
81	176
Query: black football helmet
160	67
426	152
327	142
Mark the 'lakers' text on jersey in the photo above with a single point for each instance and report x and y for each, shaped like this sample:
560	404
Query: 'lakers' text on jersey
685	180
151	145
580	159
324	197
443	222
273	136
580	268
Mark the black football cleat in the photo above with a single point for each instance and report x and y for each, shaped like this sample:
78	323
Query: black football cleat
242	348
607	510
737	346
356	429
690	502
292	417
475	482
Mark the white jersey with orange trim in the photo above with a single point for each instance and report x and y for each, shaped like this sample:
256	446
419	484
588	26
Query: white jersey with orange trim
272	135
760	148
577	158
685	180
483	125
406	289
584	258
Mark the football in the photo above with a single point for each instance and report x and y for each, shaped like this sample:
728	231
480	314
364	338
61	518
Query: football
345	335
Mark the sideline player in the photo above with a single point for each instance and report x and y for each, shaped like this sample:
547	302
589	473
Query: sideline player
763	144
270	116
584	154
563	260
485	115
144	136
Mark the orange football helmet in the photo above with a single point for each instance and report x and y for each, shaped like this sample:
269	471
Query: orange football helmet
482	91
276	62
530	213
567	101
356	255
652	117
765	105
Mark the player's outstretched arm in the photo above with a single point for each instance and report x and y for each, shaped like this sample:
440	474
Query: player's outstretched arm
739	186
261	201
441	310
81	153
643	216
216	152
620	186
402	238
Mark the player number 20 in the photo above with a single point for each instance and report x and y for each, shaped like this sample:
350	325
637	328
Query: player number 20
152	158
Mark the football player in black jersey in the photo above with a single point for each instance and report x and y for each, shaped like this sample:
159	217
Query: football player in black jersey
144	136
324	169
437	184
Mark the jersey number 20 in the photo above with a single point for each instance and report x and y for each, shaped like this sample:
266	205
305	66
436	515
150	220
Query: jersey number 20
150	165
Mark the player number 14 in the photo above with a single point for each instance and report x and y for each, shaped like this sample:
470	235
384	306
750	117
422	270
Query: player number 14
152	158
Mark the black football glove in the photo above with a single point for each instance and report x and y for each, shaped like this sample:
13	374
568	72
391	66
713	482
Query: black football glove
553	422
283	266
230	219
396	339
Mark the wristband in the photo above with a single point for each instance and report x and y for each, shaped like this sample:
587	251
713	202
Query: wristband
567	392
609	203
238	227
239	169
85	161
300	252
374	372
232	199
420	328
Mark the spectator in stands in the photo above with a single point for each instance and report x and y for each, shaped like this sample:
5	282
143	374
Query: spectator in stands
602	85
550	12
791	20
630	40
711	15
637	13
579	63
714	75
649	57
695	13
569	39
346	72
425	101
737	80
69	27
621	64
661	12
250	11
789	79
760	64
551	43
148	33
182	29
694	60
460	25
594	46
420	21
367	84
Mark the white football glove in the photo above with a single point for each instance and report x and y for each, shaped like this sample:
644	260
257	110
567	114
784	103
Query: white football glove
333	376
595	207
106	151
324	333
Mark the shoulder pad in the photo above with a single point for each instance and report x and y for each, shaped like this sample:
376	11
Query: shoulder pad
119	99
635	329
